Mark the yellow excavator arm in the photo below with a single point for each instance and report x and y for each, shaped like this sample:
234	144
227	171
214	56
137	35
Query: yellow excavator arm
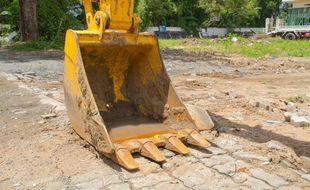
112	14
118	94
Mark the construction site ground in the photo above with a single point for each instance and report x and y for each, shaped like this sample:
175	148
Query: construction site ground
253	147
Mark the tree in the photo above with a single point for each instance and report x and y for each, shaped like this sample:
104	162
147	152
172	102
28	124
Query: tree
233	13
189	15
157	12
28	20
268	8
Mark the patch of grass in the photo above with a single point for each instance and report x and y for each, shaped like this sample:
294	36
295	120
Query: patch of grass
274	47
295	99
169	43
36	45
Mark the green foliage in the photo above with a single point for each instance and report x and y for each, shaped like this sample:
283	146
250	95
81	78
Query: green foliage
12	19
169	43
37	45
267	9
296	99
246	47
157	12
233	13
54	19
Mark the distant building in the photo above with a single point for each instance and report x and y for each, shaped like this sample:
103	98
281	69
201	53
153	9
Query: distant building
298	3
299	14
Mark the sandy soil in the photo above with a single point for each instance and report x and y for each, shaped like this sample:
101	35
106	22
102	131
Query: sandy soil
37	153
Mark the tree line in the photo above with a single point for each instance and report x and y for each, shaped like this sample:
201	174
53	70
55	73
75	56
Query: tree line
49	19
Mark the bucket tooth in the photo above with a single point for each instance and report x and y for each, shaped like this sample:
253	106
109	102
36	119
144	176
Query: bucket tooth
174	144
125	159
194	138
150	150
132	146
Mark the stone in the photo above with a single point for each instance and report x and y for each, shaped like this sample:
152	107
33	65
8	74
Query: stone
219	182
48	116
192	174
287	116
240	177
306	177
109	179
299	121
305	162
250	156
91	185
271	179
150	180
30	73
290	107
95	179
232	94
191	80
41	122
199	153
289	188
256	184
253	103
168	185
275	145
232	167
265	105
216	151
216	160
120	186
287	164
228	144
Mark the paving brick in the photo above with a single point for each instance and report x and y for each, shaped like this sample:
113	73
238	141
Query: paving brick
192	174
120	186
200	153
271	179
219	182
231	167
216	151
217	159
256	184
168	185
250	156
150	180
289	188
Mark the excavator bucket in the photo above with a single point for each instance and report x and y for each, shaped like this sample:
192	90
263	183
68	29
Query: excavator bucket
119	96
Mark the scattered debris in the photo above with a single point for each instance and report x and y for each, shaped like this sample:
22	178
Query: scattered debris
234	39
272	122
276	145
41	122
48	116
306	176
29	73
299	121
10	37
20	112
232	94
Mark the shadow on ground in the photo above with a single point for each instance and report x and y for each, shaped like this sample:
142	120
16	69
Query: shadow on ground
259	135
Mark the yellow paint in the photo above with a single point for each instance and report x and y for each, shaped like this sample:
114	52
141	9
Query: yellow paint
112	35
117	68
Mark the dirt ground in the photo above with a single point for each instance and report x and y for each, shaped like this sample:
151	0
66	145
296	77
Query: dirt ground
253	146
